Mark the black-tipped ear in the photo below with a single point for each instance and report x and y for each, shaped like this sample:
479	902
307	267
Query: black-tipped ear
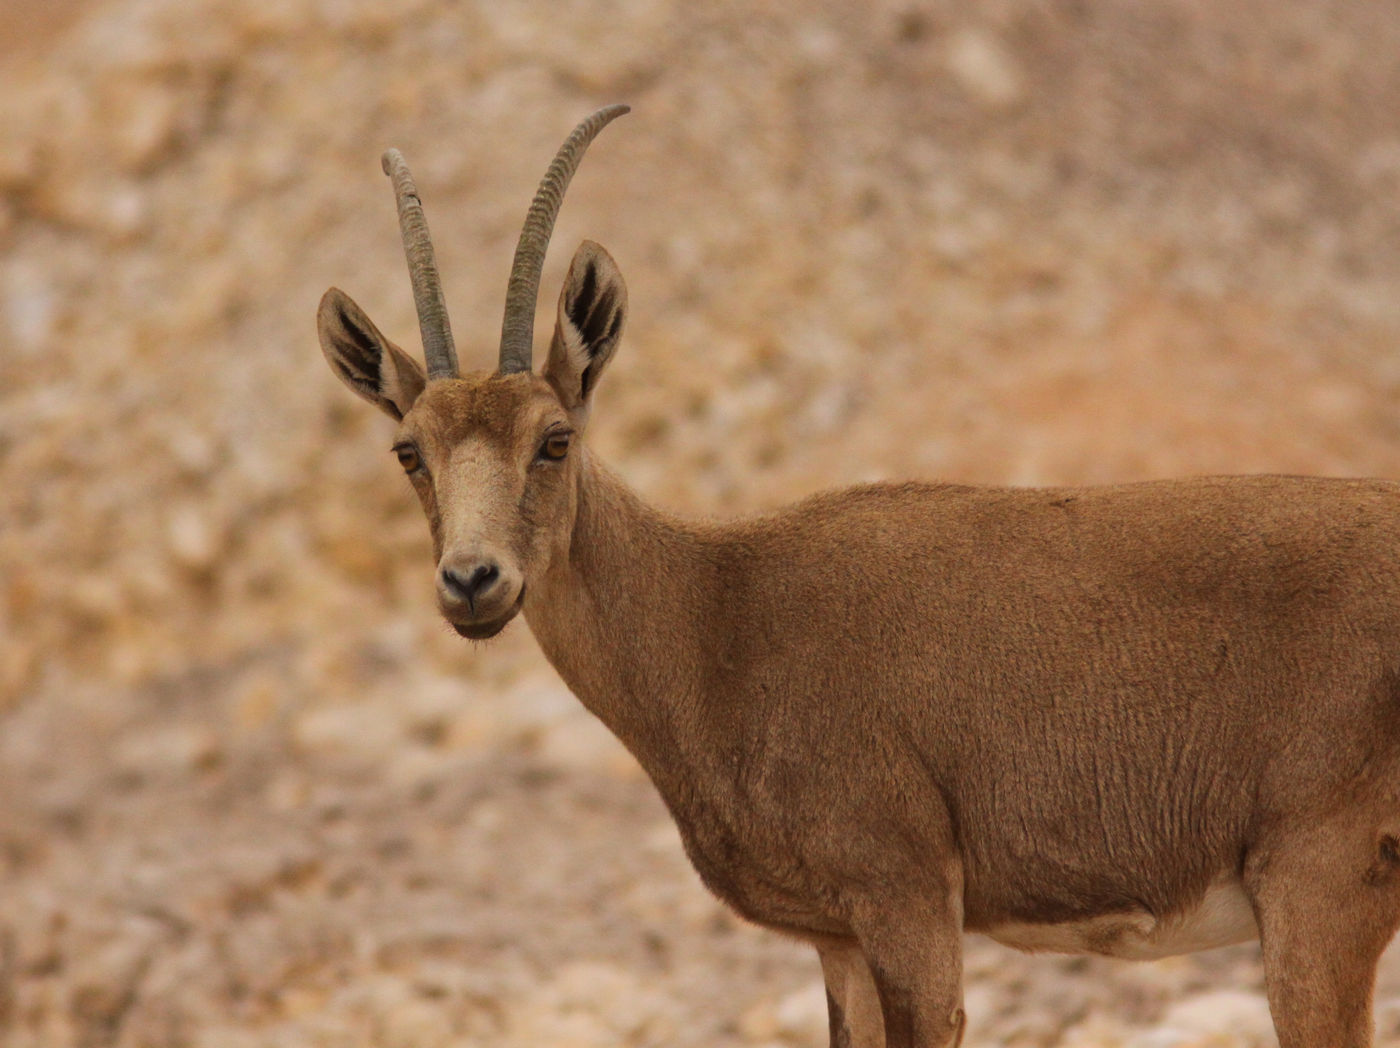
592	311
364	359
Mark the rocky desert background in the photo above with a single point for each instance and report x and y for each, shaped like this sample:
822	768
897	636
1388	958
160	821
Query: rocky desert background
252	792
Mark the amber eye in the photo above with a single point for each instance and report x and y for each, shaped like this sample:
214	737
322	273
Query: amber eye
555	446
408	457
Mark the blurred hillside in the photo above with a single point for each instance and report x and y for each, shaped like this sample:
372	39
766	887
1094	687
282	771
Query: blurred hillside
254	792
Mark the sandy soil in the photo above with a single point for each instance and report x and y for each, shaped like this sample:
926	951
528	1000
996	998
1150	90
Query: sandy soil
253	793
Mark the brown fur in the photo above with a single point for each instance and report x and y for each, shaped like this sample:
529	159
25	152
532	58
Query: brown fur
888	714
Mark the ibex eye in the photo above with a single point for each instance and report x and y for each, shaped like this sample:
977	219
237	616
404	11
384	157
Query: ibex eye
408	457
555	446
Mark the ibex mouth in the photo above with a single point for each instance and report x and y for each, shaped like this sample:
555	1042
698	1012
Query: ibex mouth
487	630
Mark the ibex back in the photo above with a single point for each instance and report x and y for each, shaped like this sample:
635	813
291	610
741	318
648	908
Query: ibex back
1133	721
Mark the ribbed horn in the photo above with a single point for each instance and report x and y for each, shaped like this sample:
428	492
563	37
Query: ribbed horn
438	349
518	327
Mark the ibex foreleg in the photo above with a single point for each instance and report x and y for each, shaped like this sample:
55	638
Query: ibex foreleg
853	1003
915	958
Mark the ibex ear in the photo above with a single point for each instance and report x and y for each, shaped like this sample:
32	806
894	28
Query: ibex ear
364	359
592	309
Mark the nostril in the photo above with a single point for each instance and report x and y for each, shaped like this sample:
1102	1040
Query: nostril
470	586
482	577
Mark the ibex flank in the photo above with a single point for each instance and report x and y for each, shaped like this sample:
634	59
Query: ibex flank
1137	720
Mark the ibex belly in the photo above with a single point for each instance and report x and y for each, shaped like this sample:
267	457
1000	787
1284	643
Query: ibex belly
1222	917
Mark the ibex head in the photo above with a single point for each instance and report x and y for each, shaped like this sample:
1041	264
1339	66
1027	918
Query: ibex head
493	455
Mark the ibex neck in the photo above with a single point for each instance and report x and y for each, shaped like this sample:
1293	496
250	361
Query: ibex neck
618	617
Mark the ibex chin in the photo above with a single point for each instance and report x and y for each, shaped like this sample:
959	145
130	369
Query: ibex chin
1136	720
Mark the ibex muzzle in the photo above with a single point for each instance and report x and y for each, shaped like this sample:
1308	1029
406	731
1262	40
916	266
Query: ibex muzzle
477	595
1134	720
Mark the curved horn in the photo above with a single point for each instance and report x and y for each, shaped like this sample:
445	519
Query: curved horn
518	327
438	350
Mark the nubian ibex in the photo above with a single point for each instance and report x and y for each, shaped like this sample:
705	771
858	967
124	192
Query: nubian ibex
1136	720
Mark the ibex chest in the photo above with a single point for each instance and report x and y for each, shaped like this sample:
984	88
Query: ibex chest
757	873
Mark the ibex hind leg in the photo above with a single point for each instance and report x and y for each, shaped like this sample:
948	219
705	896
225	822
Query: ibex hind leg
1327	899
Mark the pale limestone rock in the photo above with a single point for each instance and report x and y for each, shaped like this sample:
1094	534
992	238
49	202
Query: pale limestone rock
580	742
801	1016
181	748
984	67
1239	1014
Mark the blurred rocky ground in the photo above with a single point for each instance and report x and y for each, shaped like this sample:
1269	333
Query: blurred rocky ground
252	793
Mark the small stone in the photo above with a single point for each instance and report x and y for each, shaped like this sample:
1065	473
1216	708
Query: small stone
94	200
191	538
580	743
358	730
984	68
180	748
141	115
30	305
